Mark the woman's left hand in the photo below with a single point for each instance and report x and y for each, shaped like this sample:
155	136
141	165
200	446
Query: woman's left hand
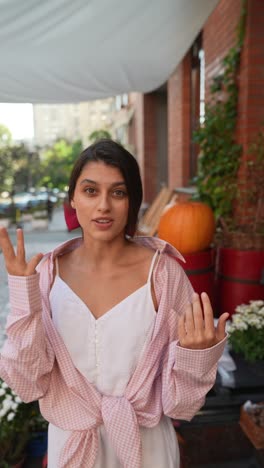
196	327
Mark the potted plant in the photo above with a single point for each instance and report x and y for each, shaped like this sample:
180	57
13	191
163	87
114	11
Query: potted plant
232	185
246	330
18	422
38	426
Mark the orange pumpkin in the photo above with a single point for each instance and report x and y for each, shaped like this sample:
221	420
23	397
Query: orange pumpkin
188	226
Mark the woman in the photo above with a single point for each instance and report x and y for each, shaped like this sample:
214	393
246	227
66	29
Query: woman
106	331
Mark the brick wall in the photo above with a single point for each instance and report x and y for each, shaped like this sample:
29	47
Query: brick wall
144	133
219	35
150	146
251	101
179	95
251	80
136	133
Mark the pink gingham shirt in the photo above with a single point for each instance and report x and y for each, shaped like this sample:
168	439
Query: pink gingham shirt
168	379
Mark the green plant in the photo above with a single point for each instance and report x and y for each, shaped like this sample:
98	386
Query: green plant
98	135
246	331
252	196
245	230
220	156
18	423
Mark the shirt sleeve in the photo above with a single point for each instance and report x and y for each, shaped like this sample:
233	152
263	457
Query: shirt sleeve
26	358
187	377
188	374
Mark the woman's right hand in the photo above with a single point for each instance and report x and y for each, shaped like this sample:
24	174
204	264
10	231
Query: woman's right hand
16	263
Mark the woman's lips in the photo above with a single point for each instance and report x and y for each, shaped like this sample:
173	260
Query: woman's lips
103	223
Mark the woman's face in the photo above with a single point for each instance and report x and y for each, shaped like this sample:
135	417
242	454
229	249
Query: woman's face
101	201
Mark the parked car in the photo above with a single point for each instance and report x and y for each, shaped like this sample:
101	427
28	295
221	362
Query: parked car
5	204
43	197
25	200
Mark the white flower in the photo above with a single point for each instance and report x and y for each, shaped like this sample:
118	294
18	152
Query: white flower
257	303
242	326
7	405
3	413
18	400
10	416
4	385
2	392
14	406
248	315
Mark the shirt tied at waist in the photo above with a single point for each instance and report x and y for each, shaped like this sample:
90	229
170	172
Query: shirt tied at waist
121	424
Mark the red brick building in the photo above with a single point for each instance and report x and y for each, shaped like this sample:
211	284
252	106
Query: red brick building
163	121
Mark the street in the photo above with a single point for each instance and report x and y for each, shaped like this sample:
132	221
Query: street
35	241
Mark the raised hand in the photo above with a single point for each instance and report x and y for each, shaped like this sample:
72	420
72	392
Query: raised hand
16	263
196	327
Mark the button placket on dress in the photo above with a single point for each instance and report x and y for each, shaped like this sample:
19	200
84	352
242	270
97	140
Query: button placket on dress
96	342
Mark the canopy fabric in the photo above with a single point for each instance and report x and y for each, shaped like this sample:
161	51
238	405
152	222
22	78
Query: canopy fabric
71	51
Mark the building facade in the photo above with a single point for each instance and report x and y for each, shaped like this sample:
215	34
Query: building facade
72	121
164	120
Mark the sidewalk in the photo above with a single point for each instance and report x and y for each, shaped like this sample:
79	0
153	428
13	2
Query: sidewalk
58	222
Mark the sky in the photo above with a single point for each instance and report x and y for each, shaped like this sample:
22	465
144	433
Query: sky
19	119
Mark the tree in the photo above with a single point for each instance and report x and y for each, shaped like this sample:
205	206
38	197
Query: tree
57	162
6	170
98	135
5	136
27	167
22	168
19	167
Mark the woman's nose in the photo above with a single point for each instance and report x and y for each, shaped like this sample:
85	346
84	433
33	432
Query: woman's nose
104	203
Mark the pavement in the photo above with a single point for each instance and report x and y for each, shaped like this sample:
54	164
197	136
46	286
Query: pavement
35	242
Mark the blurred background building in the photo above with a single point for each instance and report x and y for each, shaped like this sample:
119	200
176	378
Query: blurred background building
70	121
79	120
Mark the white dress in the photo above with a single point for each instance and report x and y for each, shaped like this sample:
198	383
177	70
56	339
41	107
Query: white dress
106	351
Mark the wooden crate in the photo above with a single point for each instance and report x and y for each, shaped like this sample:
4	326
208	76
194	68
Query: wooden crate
253	432
148	224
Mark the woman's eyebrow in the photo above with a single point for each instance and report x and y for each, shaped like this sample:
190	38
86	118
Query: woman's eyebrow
114	184
88	181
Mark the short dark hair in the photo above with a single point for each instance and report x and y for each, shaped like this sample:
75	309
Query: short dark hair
112	153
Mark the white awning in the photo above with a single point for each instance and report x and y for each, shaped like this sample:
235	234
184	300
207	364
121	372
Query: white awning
77	50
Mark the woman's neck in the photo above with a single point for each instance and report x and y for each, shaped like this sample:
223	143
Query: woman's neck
101	254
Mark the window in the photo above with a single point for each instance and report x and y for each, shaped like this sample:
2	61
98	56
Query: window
202	85
197	98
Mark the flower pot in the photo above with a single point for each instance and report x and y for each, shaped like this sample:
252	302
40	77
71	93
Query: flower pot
37	446
199	268
19	464
254	432
239	277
